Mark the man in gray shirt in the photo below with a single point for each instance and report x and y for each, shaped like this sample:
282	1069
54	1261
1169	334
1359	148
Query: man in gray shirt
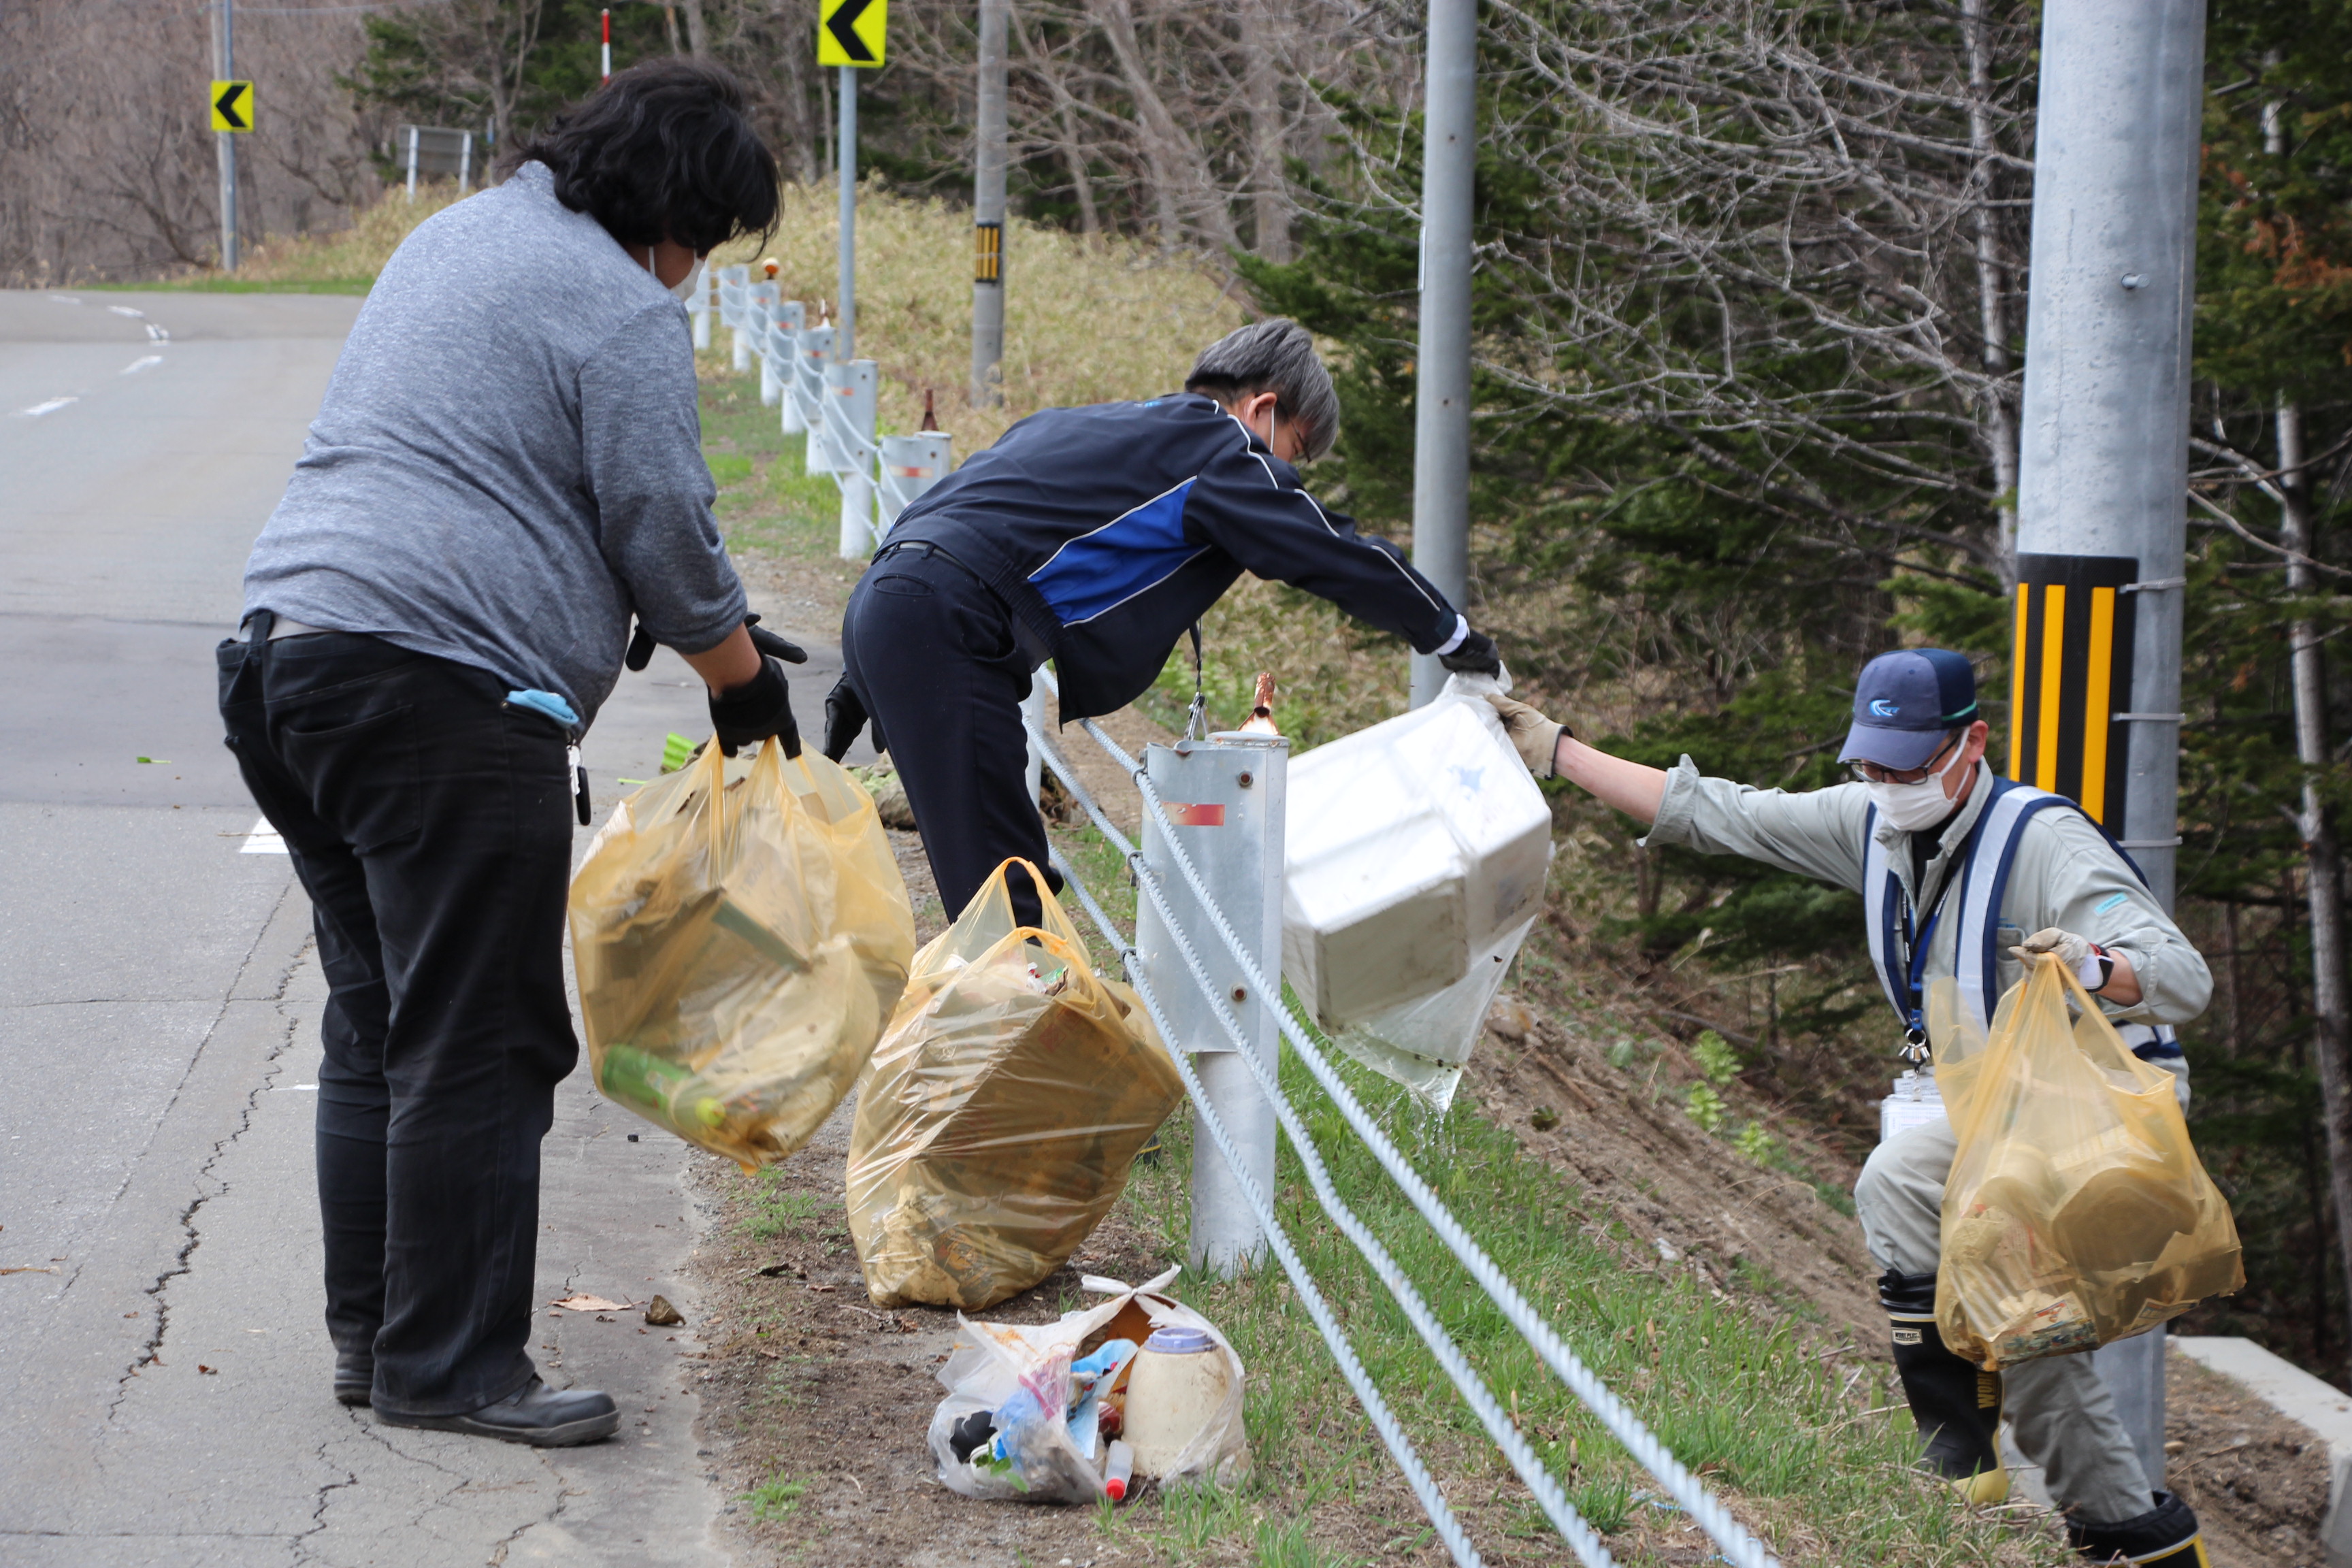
508	466
1956	867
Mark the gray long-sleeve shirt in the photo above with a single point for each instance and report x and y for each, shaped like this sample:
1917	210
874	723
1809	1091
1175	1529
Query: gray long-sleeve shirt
2067	874
509	461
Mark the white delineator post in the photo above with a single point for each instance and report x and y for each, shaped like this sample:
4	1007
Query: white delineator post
849	417
2103	464
1226	796
698	307
1441	424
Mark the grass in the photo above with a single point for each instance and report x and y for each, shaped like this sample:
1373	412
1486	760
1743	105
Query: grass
775	1498
776	1213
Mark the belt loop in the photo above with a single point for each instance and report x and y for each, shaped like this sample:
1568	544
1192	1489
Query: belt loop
262	623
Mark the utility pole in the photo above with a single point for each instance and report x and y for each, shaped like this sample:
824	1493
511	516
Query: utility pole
224	68
1440	430
845	317
2103	480
988	213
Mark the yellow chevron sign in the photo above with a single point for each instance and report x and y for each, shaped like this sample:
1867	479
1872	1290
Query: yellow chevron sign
232	106
849	32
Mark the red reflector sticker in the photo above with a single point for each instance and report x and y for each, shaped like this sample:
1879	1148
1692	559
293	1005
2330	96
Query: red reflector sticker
1196	816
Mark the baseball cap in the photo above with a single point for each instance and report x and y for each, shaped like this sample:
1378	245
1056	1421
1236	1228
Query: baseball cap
1905	703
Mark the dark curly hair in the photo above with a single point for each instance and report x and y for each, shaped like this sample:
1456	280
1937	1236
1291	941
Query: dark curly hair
662	151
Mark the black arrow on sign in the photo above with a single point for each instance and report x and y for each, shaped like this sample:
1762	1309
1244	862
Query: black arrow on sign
225	104
841	25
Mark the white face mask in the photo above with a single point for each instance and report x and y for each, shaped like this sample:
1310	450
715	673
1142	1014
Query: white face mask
683	289
1912	806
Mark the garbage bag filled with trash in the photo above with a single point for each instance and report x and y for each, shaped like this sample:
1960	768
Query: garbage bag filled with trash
2077	1212
1004	1106
1138	1385
1415	854
740	931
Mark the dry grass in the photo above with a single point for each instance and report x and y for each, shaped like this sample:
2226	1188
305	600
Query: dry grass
1086	320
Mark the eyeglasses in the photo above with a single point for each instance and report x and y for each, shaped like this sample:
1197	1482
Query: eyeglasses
1871	773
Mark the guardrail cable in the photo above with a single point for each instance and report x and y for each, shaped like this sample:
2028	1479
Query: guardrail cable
1424	1487
1740	1547
1572	1526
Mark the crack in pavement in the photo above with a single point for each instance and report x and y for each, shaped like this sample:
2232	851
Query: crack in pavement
151	1351
319	1511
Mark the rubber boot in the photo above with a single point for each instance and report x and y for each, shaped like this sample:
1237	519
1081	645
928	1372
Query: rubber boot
2166	1536
1956	1405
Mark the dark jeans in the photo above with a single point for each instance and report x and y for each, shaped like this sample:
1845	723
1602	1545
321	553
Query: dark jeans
931	652
432	828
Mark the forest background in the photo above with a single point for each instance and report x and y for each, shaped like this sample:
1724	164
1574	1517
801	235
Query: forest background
1749	307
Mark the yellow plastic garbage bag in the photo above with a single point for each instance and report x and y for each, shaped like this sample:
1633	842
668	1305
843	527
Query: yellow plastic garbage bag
1004	1107
740	930
2077	1212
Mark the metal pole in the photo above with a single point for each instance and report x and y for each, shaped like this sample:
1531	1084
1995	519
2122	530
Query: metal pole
464	160
988	213
224	69
411	163
1227	797
1441	432
844	320
2104	467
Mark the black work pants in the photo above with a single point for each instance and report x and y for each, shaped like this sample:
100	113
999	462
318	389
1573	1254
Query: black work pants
931	652
432	827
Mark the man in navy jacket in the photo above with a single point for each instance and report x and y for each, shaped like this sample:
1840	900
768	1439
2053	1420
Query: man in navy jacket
1095	537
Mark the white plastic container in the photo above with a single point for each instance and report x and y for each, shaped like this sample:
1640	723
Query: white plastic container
1410	848
1178	1384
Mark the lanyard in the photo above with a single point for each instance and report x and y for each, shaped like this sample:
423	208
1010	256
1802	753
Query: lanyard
1916	1037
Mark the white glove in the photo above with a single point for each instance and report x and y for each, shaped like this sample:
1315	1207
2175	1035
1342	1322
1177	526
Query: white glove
2079	954
1534	736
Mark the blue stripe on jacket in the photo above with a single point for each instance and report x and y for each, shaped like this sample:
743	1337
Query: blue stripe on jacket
1133	552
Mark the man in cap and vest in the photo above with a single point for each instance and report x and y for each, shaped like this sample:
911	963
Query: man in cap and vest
1956	867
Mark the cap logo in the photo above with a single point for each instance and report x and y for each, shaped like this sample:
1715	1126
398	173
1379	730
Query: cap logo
1883	707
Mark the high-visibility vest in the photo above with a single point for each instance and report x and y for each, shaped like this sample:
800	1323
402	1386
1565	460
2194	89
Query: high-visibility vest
1972	894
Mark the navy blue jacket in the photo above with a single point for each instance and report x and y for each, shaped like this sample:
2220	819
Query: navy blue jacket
1108	530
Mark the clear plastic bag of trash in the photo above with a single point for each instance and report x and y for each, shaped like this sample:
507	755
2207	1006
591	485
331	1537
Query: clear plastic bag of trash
1048	1433
2077	1212
1003	1112
1422	1044
740	930
1415	857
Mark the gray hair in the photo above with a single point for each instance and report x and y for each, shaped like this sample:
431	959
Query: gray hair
1275	355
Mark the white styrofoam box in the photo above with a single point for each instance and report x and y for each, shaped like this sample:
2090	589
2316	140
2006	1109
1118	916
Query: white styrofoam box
1410	847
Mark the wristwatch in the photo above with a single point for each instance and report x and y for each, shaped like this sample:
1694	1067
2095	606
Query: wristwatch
2106	968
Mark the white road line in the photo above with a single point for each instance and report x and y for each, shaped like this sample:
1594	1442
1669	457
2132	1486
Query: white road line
135	367
127	310
262	839
65	299
156	334
51	406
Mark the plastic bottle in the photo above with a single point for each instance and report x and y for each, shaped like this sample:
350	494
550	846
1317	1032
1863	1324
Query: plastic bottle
1119	1469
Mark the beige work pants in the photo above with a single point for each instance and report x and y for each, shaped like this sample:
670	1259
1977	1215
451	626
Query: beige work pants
2059	1407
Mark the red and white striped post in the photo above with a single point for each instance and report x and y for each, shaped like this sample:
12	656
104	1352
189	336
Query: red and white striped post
608	44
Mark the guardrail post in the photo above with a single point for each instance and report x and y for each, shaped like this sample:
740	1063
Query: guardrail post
1226	797
785	320
816	352
910	466
850	426
706	279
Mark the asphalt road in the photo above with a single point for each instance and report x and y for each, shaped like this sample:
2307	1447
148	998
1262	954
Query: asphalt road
164	1370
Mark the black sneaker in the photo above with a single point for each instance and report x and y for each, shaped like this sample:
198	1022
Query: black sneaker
2166	1536
542	1417
354	1377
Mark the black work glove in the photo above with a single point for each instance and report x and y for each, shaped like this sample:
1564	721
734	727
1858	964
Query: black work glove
844	721
641	646
771	645
760	707
1475	655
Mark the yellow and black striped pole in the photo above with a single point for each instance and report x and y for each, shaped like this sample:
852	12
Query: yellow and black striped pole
2070	673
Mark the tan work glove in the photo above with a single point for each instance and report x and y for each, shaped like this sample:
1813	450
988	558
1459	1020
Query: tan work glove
2079	954
1535	736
